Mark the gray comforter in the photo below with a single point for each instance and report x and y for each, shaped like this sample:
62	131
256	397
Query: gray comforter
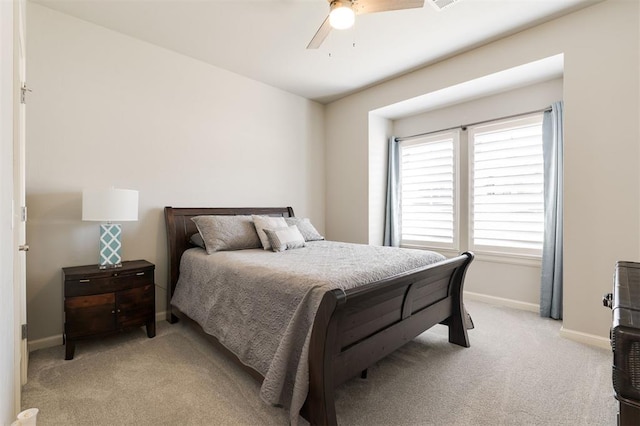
261	305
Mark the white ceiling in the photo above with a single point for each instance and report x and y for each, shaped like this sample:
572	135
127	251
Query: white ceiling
266	39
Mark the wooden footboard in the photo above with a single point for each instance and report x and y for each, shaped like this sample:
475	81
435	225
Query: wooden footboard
356	328
353	329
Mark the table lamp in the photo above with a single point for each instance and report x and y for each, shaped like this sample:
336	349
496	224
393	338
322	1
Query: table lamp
110	205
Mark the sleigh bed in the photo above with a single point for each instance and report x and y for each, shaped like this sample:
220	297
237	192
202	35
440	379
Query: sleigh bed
351	329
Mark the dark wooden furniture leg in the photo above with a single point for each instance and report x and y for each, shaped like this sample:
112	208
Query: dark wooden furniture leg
151	328
171	318
457	321
69	349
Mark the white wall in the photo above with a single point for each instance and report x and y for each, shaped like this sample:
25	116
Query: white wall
520	281
107	109
380	130
602	185
517	101
8	374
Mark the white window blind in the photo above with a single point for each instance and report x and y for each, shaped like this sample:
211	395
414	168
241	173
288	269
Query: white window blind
428	191
507	201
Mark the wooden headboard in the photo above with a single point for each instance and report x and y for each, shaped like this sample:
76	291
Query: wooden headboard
180	227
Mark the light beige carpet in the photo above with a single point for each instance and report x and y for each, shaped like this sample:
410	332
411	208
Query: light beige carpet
518	371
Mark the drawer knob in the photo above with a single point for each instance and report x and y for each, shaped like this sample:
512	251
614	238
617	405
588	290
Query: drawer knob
84	281
113	312
140	273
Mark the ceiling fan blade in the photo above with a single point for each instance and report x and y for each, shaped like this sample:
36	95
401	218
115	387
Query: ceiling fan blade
372	6
321	34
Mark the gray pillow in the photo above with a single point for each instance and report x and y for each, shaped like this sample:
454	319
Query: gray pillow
267	222
196	240
308	231
222	233
287	238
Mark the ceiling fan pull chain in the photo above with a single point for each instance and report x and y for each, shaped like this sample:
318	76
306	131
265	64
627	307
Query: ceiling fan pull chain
354	35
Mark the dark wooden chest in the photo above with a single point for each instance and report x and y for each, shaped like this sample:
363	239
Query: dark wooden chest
625	340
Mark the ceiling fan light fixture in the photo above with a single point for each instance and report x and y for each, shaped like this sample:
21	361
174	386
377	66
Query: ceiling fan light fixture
342	15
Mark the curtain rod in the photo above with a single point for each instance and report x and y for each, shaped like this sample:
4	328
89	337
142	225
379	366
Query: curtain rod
464	126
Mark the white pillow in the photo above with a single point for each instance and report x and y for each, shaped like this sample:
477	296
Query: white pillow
262	222
308	231
282	239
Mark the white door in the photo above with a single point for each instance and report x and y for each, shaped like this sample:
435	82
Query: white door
19	199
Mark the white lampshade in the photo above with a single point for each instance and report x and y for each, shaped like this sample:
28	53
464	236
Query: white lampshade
109	205
342	15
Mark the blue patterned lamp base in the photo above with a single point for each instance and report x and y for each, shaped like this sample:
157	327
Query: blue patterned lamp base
110	246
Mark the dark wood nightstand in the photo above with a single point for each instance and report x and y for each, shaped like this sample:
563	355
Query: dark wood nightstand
99	302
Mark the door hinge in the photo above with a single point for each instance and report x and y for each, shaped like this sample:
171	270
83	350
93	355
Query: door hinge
23	93
23	213
24	331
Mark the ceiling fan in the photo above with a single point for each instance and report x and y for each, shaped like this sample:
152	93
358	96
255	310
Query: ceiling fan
342	14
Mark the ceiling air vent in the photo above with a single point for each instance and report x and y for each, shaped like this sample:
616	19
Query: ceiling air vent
442	4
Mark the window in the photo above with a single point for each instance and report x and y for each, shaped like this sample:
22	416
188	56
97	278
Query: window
498	205
428	191
506	193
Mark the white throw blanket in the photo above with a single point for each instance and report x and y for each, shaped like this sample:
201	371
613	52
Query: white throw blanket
261	305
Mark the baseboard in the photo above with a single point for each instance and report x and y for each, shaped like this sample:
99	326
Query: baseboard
588	339
501	301
56	340
576	336
47	342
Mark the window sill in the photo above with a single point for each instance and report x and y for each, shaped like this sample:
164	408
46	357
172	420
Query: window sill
513	259
485	256
449	252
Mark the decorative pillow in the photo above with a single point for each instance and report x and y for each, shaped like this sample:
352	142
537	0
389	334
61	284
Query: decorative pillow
196	240
222	233
308	231
282	239
269	222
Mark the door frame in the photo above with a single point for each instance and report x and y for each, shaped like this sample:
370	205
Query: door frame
10	312
19	181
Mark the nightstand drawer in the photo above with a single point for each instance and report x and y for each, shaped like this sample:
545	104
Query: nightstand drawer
116	282
87	302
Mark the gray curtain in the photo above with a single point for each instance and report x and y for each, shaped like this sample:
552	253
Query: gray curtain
552	147
392	213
